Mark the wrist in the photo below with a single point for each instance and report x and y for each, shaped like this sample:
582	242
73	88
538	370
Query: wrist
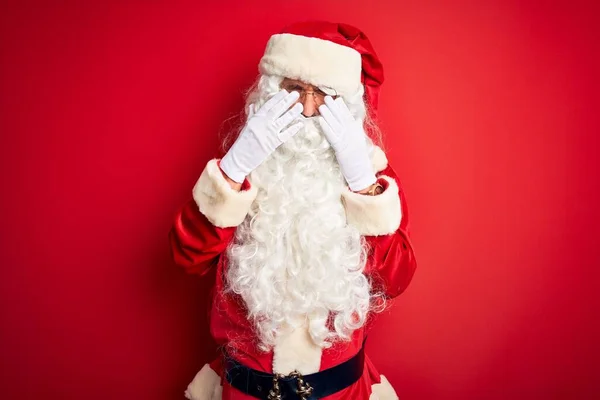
233	184
372	190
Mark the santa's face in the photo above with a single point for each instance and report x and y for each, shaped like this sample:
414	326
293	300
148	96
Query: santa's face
294	260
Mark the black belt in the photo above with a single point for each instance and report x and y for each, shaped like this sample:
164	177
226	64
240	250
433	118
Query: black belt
263	385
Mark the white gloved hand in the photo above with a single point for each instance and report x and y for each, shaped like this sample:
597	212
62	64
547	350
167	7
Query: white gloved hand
264	131
349	141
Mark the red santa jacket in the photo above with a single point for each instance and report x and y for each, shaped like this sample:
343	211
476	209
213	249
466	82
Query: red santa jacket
205	226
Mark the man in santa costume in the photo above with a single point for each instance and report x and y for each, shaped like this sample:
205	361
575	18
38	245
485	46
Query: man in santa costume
305	225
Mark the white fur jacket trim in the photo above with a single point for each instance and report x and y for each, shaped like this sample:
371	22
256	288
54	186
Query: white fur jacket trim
374	215
223	206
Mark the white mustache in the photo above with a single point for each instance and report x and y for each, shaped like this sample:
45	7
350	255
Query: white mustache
309	138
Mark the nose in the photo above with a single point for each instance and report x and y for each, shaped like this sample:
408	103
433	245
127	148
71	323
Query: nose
310	105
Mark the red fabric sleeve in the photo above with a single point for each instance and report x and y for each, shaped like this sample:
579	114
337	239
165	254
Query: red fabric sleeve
217	366
391	262
196	244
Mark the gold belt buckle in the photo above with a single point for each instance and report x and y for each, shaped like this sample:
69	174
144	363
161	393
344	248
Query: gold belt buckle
304	389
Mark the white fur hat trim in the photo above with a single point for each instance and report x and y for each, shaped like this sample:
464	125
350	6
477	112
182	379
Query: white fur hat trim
312	60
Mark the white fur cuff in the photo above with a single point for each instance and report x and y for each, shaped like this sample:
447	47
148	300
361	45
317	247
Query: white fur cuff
374	215
378	158
383	390
206	385
223	206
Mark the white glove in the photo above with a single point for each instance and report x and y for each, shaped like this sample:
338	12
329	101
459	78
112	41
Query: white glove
263	133
349	141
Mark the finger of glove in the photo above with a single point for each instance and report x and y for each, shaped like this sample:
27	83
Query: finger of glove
290	131
278	109
331	119
250	110
329	133
335	108
272	101
288	117
343	108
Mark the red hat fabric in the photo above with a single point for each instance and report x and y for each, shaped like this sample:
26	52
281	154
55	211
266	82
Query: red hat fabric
323	53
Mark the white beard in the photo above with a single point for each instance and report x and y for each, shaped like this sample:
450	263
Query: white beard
294	260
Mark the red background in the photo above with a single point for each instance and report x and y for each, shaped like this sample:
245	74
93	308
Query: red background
109	112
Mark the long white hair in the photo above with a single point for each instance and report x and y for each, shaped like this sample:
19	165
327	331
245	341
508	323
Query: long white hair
294	260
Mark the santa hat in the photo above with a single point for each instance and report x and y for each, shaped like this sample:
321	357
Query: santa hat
328	54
